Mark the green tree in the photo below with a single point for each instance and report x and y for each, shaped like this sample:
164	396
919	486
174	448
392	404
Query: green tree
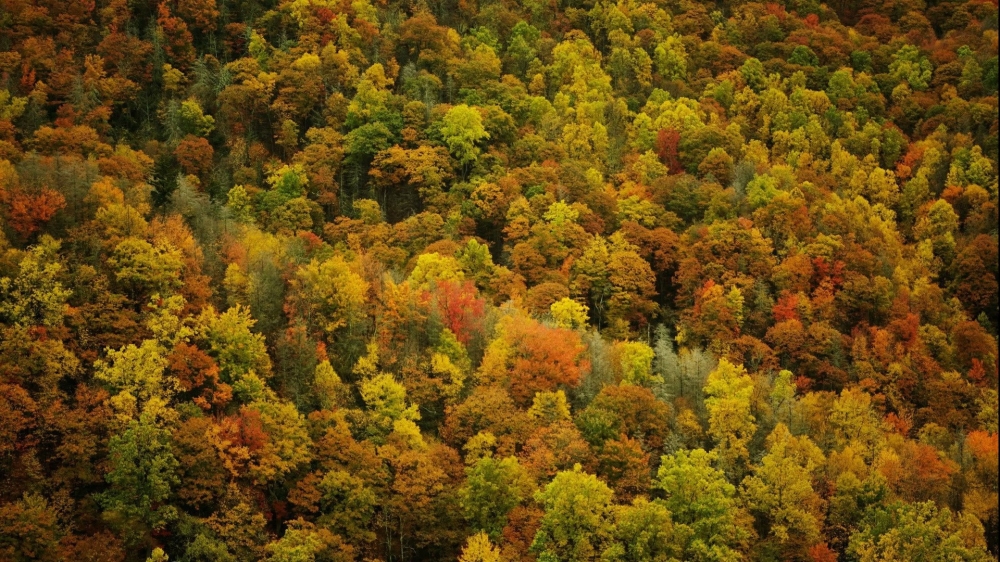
305	542
643	532
144	268
141	477
636	359
910	66
240	352
492	489
385	400
920	531
672	58
137	377
462	128
577	521
710	525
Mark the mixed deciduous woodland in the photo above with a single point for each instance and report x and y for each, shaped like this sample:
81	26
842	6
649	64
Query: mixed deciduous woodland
498	280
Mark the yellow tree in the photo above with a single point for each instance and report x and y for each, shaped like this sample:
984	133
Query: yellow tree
780	490
731	424
479	549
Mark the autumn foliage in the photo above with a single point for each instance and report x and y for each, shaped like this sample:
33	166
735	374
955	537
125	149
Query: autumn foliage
600	280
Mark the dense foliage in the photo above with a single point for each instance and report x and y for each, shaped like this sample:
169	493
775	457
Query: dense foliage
553	281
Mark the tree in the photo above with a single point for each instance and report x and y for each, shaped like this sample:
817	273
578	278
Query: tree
142	477
702	503
636	360
286	446
529	357
145	269
201	474
909	66
780	489
240	353
28	212
576	523
386	402
462	128
568	313
35	296
856	423
672	59
920	531
198	374
616	282
630	411
328	296
730	421
137	377
29	530
194	154
479	549
492	489
643	531
304	542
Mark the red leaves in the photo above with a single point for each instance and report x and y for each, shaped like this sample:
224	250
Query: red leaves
460	306
786	308
248	431
825	271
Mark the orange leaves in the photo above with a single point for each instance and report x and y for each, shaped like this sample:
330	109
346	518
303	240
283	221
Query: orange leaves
915	470
17	413
27	213
198	374
786	308
625	466
178	39
237	438
542	358
983	446
821	553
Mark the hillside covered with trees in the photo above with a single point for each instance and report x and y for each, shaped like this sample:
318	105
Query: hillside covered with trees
498	280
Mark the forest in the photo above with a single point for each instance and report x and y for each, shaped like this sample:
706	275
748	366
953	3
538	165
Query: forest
499	280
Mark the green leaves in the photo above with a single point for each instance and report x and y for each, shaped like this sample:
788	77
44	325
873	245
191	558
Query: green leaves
710	525
462	129
636	360
576	521
143	472
911	67
918	531
492	488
